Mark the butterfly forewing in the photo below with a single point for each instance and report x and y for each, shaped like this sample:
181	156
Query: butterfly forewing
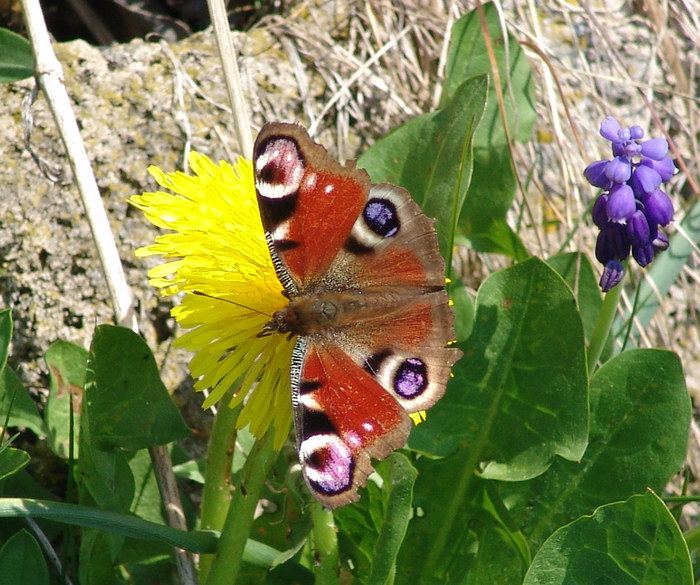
308	201
361	266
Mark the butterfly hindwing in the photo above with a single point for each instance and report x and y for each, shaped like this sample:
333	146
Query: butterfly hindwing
342	417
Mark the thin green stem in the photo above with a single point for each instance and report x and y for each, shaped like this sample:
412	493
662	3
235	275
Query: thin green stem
239	520
603	326
325	545
216	496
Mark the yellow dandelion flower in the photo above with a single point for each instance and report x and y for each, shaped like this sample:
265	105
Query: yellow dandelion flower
217	255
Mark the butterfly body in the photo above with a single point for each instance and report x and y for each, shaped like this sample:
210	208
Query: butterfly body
361	267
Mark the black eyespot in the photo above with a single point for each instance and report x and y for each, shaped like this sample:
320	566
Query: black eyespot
411	378
381	217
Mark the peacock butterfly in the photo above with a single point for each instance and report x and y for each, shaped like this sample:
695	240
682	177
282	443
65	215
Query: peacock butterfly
361	267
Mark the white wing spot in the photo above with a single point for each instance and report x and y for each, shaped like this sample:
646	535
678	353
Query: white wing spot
311	180
353	440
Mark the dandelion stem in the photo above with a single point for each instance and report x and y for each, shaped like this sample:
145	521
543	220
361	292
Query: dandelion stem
216	496
227	560
325	545
603	326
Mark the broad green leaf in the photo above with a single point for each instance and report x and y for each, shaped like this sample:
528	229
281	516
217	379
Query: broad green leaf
16	58
11	461
21	561
126	395
482	224
359	526
577	271
104	477
492	187
105	482
468	57
461	534
635	542
640	413
67	363
431	156
147	503
518	397
15	399
97	549
5	332
502	554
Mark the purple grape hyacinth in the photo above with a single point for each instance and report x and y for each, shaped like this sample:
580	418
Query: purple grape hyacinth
632	208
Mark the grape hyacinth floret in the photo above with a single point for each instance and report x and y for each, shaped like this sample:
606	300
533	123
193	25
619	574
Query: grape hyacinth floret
632	208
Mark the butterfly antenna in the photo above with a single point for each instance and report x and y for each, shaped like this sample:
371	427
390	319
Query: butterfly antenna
253	309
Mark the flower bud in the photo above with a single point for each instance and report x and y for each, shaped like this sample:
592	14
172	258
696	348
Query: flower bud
621	204
612	275
595	174
658	207
618	170
656	148
638	229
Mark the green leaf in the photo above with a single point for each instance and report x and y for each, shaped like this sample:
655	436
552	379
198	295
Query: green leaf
97	549
104	478
256	553
492	187
400	476
431	156
21	561
15	399
462	533
126	395
16	58
5	331
640	414
67	363
576	269
11	461
502	553
463	309
636	542
192	470
518	397
115	523
371	530
468	57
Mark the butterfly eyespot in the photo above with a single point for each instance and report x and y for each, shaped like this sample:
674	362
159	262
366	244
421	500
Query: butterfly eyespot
328	463
411	378
279	168
381	217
